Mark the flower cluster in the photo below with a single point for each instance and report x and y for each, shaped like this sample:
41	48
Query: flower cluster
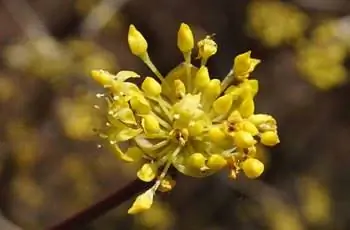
276	22
322	57
186	120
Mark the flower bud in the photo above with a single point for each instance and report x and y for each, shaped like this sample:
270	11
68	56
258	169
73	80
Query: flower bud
102	77
143	202
196	128
258	119
197	161
252	168
223	104
247	126
212	90
202	78
185	40
147	172
151	87
243	139
137	43
243	65
269	138
150	124
217	135
207	48
247	107
140	105
216	162
180	88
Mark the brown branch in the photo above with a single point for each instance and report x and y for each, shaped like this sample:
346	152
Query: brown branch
91	213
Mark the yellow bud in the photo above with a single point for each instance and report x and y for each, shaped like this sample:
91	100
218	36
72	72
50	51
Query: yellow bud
196	128
212	90
247	107
126	115
102	77
269	138
185	40
140	105
217	135
207	47
147	172
243	139
142	203
150	124
263	122
167	184
197	161
247	126
223	104
216	162
252	168
137	43
151	87
180	88
243	65
202	78
258	119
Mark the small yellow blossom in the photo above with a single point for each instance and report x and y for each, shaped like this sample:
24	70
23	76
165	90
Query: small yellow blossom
207	48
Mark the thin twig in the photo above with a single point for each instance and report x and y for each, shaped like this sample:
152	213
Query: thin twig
93	212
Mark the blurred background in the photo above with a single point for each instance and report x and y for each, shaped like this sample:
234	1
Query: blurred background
50	163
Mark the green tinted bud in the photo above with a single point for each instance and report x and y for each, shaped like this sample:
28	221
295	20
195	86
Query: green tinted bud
151	87
216	162
150	124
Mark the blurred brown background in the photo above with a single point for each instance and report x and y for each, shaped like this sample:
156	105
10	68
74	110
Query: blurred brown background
51	167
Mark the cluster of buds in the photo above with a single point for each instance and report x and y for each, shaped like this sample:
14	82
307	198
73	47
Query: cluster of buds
186	120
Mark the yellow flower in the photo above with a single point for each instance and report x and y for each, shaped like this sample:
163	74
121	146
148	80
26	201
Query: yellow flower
207	48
